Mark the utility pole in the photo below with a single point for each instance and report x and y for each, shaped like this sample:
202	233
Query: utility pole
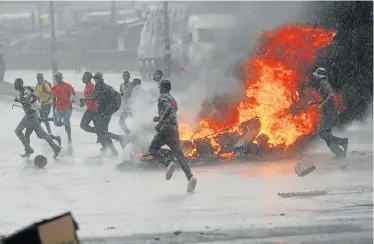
167	53
40	26
53	41
113	12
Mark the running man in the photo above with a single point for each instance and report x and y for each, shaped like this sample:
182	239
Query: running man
91	114
109	101
125	90
43	90
329	111
62	103
31	121
168	134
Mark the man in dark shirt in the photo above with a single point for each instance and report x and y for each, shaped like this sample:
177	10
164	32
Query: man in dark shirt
329	112
31	119
109	101
168	134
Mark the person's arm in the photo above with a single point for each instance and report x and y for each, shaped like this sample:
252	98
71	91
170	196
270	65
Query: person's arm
53	100
328	89
72	92
120	89
47	89
85	99
167	111
28	98
33	98
315	102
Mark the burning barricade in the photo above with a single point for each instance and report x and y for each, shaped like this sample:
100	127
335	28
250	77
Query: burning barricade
271	120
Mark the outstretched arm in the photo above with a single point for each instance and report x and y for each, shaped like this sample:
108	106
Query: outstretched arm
315	102
85	99
167	111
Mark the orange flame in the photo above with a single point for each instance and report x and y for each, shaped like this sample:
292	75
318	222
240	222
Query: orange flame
272	78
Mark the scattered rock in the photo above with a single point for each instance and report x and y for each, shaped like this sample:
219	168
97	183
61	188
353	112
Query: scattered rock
207	227
157	239
358	153
282	214
302	194
201	233
177	232
110	228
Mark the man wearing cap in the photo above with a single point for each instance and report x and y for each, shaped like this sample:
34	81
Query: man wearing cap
329	111
43	90
62	94
109	101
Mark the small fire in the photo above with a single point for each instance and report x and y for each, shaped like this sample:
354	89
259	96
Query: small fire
272	79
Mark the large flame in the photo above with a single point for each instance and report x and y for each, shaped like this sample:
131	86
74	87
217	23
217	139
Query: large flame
272	78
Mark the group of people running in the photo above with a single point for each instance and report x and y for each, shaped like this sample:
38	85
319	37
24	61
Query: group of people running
101	101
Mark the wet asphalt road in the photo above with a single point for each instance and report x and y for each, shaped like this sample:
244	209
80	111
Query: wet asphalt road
251	212
233	203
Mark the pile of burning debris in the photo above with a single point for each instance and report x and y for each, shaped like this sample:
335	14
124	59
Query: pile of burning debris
272	119
241	142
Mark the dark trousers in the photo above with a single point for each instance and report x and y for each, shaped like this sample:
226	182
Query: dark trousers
29	131
102	127
88	117
169	137
328	121
44	113
32	123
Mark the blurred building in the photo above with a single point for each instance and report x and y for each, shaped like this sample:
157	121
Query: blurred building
98	35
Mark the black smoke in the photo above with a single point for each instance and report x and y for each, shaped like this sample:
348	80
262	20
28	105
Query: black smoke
349	59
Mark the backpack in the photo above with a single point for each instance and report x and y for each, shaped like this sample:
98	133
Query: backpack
117	97
44	89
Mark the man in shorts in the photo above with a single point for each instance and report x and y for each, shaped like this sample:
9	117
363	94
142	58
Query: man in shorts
62	93
43	91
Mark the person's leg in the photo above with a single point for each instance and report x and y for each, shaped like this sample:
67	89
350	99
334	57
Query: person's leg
24	123
104	137
66	121
173	143
88	116
41	134
28	133
122	122
154	148
117	137
327	122
98	123
57	138
44	113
